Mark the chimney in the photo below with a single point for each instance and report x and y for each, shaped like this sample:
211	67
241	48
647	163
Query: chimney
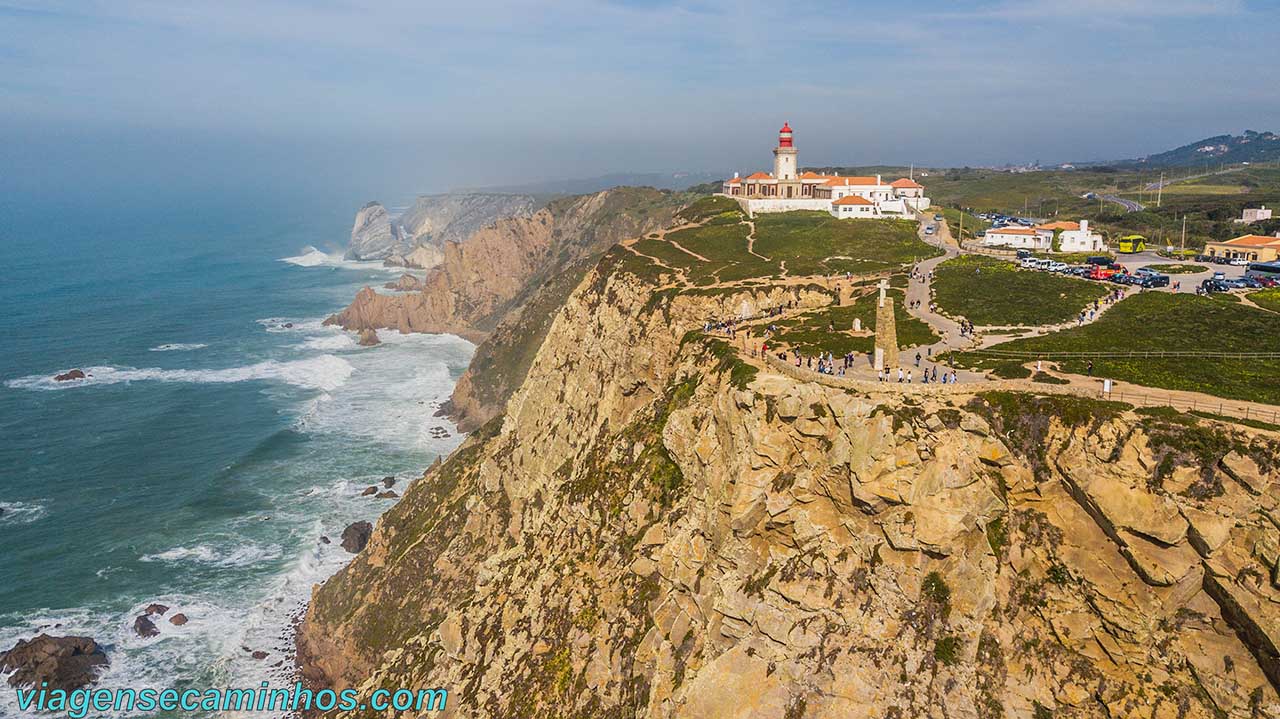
1084	225
877	179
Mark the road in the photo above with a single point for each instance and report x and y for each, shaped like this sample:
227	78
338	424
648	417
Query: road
1129	205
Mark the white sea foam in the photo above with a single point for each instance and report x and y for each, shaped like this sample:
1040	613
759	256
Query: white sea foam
231	555
20	512
179	347
312	257
331	342
324	372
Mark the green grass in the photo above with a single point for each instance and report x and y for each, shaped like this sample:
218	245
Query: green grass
712	209
988	291
1172	322
1268	298
1177	269
812	333
817	243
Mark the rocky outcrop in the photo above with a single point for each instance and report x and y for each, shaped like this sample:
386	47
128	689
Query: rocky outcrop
356	536
502	286
66	663
70	375
368	338
405	283
415	238
655	528
374	236
455	216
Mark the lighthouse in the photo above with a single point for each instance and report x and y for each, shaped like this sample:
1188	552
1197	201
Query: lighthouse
784	155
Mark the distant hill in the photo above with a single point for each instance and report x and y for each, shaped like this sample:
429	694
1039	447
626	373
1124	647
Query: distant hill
1223	149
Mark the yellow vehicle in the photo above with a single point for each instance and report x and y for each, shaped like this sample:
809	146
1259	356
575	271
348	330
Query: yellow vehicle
1130	244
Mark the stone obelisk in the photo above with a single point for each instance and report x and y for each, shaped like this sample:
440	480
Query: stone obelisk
886	347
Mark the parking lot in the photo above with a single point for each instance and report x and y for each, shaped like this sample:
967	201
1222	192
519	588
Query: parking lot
1132	263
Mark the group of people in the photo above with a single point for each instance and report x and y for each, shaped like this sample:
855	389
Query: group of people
966	329
907	376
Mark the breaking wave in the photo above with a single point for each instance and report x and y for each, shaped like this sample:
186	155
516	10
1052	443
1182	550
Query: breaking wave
325	372
179	347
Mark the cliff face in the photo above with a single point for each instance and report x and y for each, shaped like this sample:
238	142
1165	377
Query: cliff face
654	528
415	238
373	236
501	286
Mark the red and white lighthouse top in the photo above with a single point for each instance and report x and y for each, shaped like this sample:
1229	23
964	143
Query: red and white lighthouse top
784	135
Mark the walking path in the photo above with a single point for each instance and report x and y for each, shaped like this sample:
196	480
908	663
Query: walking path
747	337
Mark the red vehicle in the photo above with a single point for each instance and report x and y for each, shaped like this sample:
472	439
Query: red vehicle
1100	272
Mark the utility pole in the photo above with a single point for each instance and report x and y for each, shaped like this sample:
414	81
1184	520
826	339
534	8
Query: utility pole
1184	237
1160	190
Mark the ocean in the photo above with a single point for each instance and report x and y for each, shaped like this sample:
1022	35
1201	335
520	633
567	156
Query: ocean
220	433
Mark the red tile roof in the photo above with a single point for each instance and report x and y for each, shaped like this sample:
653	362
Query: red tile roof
1011	231
853	200
1253	241
847	181
759	176
1063	225
905	182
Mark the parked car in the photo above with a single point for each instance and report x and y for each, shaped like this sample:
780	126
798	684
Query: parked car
937	218
1238	262
1101	261
1212	285
1058	267
1145	271
1120	278
1219	276
1152	280
928	230
1024	254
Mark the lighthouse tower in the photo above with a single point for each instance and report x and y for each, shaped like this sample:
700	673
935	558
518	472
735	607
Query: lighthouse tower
784	155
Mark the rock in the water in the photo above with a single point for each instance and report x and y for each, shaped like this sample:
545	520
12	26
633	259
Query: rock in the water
145	627
388	482
259	655
356	536
368	337
68	376
389	494
324	540
64	662
178	619
156	609
369	491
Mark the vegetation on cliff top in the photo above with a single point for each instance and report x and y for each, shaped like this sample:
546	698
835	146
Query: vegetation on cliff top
988	291
1161	321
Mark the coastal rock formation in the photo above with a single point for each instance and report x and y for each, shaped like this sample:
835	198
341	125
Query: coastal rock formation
656	528
68	376
178	619
415	238
64	662
144	627
356	536
405	283
368	337
501	287
373	236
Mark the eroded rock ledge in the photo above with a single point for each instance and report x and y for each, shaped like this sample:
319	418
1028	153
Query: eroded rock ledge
655	529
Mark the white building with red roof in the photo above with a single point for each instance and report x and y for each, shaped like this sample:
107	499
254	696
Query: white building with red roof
785	190
1071	237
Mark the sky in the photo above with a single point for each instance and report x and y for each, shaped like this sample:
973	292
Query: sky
416	96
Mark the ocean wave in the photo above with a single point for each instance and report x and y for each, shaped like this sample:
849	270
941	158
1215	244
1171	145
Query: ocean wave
244	555
20	512
332	342
179	347
325	372
312	257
